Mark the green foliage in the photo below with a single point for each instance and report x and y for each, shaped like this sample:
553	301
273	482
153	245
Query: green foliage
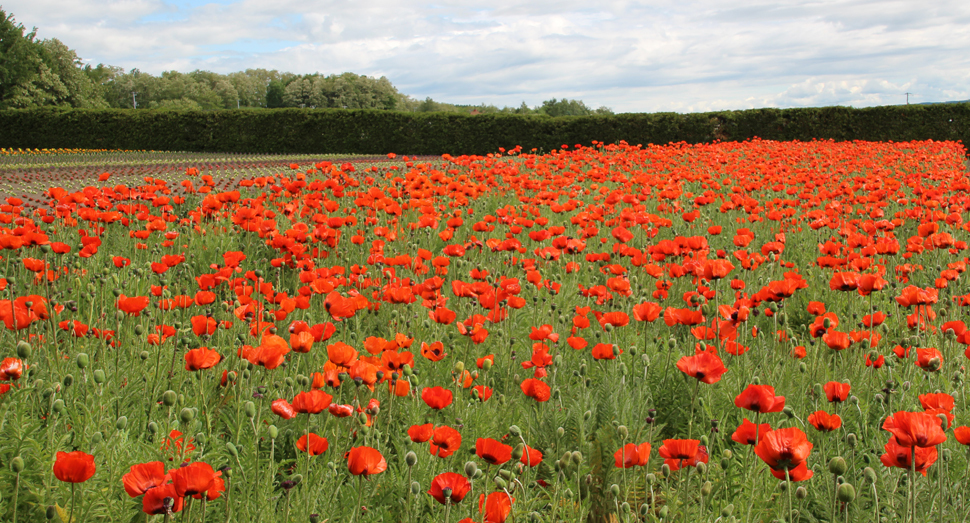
324	131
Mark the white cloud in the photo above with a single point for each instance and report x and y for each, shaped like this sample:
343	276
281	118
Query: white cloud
631	56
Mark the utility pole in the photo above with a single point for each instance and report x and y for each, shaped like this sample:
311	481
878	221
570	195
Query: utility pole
134	101
907	98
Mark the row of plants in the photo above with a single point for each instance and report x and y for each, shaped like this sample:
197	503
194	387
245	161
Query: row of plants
336	131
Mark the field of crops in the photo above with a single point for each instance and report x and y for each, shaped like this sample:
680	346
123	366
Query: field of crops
756	331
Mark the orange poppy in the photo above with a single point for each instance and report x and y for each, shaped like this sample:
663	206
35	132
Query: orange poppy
901	456
74	467
786	449
632	455
703	366
825	422
750	434
449	487
760	398
445	441
201	358
143	477
921	429
365	461
317	445
536	389
436	397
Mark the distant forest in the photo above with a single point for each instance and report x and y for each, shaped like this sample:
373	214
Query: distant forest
46	73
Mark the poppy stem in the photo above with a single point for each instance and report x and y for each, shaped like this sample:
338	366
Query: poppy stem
16	490
791	517
693	399
912	482
360	493
70	517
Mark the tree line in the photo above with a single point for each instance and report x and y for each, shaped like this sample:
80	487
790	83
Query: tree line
47	73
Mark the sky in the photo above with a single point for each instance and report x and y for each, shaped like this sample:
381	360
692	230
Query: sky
664	55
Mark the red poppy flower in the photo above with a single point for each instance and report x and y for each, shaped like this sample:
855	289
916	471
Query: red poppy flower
483	392
436	397
132	305
786	449
162	500
341	354
532	457
632	455
11	369
496	507
421	433
962	434
836	392
445	441
750	434
201	358
456	485
921	429
678	449
434	351
194	478
704	366
825	422
283	409
647	311
365	461
536	389
312	402
317	444
143	477
74	467
929	359
901	456
493	451
760	398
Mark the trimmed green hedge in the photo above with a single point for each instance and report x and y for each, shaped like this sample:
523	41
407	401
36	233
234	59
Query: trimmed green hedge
327	131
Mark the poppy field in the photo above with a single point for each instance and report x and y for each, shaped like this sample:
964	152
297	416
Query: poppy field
756	331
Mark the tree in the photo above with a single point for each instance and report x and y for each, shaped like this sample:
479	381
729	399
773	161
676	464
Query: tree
274	94
19	59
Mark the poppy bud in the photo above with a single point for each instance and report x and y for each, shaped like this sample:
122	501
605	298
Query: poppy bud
615	490
152	427
232	449
560	432
459	367
470	468
517	452
250	409
664	512
756	380
51	512
582	369
231	376
851	440
144	355
788	411
568	493
869	474
801	493
672	343
406	369
68	380
514	431
187	415
577	457
946	454
702	469
727	511
500	483
23	349
665	470
58	406
846	493
725	463
586	415
623	431
783	486
99	376
706	488
121	423
644	509
411	459
96	438
17	465
837	466
486	365
314	518
169	398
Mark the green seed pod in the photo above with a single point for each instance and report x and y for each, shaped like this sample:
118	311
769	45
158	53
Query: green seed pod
801	493
273	432
250	409
139	329
144	355
121	423
517	452
846	493
837	466
702	468
756	380
514	431
200	438
505	474
664	512
68	380
59	406
24	349
651	479
615	490
152	427
623	432
415	488
727	511
169	398
459	367
17	464
665	470
99	376
706	489
51	512
187	415
96	438
411	459
870	475
588	414
704	440
500	483
851	440
470	468
233	451
560	432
